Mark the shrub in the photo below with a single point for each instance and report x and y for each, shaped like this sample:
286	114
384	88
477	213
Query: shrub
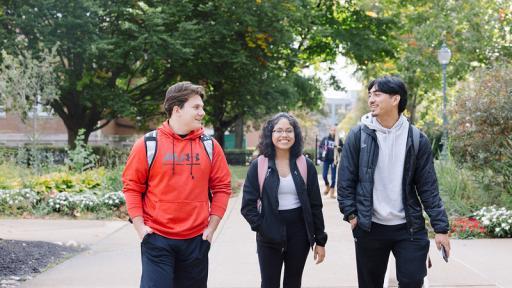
238	156
87	202
81	158
63	203
458	189
482	125
113	200
14	202
111	157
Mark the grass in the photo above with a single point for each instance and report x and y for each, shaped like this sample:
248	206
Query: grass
459	190
238	174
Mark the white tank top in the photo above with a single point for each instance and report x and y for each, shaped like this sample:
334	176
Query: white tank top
287	194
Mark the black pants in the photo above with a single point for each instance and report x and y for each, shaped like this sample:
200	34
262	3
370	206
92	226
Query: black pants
293	253
372	253
174	263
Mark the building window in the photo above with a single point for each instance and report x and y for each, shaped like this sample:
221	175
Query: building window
42	111
2	112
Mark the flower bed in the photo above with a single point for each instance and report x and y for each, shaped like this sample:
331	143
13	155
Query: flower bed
487	222
23	201
467	228
497	221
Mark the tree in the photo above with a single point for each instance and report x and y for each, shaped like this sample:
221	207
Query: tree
118	57
26	82
109	53
256	50
476	31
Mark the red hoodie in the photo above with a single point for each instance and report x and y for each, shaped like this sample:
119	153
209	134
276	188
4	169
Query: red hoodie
176	204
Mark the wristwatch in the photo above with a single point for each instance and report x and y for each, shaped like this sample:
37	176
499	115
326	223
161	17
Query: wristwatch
351	217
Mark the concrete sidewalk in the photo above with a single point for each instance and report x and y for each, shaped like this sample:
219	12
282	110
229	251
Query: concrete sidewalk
113	259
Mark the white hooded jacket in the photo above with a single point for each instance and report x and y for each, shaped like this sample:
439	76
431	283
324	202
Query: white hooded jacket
388	206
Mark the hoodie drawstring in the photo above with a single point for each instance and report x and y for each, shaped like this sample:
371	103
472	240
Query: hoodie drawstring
191	160
173	158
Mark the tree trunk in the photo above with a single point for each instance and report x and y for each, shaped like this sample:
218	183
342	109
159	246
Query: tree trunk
413	108
73	127
218	134
239	133
72	134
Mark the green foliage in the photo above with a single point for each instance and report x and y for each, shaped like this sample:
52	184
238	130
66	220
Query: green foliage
66	182
15	202
353	117
110	157
481	132
476	31
117	58
458	189
81	157
238	174
26	81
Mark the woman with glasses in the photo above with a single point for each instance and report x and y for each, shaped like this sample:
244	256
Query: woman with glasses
287	212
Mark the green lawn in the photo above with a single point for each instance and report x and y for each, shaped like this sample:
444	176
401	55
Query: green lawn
238	174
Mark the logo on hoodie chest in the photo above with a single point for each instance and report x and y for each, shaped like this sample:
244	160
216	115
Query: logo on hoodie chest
181	159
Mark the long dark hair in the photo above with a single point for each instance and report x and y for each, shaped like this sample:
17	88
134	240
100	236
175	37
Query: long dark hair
266	146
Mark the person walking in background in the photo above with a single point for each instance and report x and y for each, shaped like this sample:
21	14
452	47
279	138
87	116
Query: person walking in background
285	209
386	180
328	149
167	194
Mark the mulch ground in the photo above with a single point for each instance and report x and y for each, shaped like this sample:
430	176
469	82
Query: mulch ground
21	260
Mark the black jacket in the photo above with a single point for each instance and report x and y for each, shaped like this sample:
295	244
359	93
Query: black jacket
327	147
268	223
419	184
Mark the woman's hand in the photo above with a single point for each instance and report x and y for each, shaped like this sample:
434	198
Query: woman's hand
319	254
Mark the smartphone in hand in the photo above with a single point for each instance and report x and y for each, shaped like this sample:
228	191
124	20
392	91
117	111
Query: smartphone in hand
444	254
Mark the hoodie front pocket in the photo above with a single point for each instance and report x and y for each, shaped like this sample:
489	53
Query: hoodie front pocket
179	216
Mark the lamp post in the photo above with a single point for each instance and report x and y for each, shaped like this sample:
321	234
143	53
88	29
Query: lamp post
443	56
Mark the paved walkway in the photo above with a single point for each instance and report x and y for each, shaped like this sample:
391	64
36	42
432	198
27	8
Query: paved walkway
113	259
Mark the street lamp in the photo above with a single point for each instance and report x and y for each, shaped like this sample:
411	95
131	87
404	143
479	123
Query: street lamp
443	56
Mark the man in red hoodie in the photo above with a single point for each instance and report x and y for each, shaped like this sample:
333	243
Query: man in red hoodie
169	200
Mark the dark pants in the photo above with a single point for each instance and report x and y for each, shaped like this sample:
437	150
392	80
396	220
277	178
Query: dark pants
293	253
372	253
174	263
325	171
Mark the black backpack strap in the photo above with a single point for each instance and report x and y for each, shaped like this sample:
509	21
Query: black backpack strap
415	138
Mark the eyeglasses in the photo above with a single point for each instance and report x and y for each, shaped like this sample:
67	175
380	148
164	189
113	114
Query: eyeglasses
280	132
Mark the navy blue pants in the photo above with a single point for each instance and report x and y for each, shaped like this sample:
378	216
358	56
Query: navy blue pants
292	253
325	172
174	263
372	254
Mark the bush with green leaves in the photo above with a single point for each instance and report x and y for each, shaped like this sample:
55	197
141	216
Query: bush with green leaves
63	203
497	221
13	202
459	189
113	200
72	204
81	157
481	129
